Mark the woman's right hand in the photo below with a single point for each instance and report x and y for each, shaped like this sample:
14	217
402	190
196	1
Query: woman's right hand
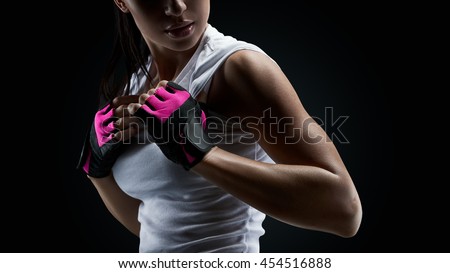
113	126
127	125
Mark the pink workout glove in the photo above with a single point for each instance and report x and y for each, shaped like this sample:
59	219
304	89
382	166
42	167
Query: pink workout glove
177	124
101	150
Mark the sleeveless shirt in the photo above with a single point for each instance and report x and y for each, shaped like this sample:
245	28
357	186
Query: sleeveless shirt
180	210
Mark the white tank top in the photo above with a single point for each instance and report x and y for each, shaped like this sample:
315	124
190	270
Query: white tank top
180	210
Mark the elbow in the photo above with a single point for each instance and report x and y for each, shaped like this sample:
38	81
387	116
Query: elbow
351	228
351	218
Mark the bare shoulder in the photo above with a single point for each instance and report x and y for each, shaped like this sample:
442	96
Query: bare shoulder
246	78
246	67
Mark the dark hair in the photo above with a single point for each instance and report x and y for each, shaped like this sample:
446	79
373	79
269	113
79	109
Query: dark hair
129	53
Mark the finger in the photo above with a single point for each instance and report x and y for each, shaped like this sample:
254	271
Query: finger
162	83
162	94
133	107
143	98
122	111
151	91
124	100
159	85
126	134
127	122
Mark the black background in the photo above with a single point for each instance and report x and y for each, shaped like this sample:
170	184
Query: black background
362	59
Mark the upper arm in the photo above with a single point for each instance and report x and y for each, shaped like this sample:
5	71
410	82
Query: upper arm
252	86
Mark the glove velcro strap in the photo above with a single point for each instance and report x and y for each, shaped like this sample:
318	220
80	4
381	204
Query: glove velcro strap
197	144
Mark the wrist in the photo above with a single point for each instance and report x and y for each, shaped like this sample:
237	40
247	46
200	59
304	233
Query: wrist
206	160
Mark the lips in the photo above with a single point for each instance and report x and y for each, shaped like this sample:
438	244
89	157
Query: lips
180	30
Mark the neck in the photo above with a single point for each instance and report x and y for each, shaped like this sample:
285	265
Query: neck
170	63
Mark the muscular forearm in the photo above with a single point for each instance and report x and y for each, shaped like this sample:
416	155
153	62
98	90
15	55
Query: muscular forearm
123	207
303	196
